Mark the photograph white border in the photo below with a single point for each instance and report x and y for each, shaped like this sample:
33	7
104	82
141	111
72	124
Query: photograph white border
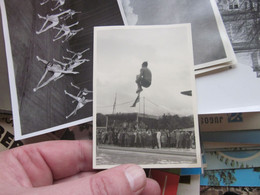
12	83
194	104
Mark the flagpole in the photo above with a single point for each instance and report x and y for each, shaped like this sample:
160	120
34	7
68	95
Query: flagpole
144	105
138	113
114	106
106	122
139	106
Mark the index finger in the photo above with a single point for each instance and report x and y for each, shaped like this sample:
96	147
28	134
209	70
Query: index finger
42	163
66	158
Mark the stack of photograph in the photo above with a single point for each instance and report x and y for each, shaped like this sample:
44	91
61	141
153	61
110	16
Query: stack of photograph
151	82
63	69
228	104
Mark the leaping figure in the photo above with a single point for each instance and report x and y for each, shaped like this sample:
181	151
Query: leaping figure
66	30
53	19
69	15
58	4
58	72
71	34
83	92
144	79
80	98
72	63
77	55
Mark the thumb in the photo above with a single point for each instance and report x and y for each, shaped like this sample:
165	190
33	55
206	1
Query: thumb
124	179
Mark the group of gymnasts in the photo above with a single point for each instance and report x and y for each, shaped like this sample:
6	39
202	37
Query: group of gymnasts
57	68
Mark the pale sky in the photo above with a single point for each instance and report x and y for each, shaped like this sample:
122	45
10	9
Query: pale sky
205	30
119	53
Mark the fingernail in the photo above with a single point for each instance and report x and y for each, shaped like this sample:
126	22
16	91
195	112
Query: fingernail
136	177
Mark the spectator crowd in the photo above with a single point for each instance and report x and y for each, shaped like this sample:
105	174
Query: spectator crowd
146	138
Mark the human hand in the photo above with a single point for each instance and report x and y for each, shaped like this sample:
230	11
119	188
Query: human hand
65	167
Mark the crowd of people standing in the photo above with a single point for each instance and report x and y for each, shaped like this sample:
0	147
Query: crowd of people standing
149	138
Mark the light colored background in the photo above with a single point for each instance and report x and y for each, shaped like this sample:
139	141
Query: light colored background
235	90
119	53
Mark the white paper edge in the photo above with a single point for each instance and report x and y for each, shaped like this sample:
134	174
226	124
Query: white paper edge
14	99
198	164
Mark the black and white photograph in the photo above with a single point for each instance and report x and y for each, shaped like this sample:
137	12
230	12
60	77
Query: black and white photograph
5	102
211	45
235	90
49	48
144	110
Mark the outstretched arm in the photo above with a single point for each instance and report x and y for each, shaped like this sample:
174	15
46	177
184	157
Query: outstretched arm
64	12
57	28
74	86
84	51
44	2
41	60
73	24
70	51
59	62
66	58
